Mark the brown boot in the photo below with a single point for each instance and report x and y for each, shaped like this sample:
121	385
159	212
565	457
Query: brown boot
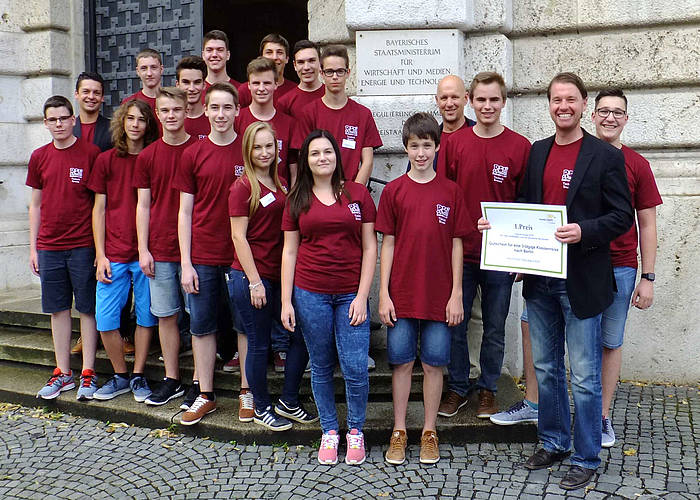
78	347
451	403
487	404
129	347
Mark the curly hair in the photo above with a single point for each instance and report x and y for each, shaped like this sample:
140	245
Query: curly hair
117	129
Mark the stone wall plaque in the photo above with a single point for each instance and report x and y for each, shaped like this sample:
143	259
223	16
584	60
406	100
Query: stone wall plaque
406	62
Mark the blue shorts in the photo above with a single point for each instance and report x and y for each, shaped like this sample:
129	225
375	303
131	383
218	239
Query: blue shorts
65	273
166	290
204	306
402	342
112	297
615	316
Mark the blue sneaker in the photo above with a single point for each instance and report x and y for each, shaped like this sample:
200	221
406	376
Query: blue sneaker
88	385
113	387
139	386
519	413
57	383
608	435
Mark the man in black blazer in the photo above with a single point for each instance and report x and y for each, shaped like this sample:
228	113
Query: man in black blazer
588	176
90	124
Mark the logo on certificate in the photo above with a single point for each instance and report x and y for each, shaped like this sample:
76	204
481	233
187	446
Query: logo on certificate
442	213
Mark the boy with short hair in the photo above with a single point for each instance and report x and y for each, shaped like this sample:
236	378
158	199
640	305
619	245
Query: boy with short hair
156	229
307	63
423	219
261	83
149	68
215	52
61	248
351	123
276	48
90	124
206	172
189	76
488	163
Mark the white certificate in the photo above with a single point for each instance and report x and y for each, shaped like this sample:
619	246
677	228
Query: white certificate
521	239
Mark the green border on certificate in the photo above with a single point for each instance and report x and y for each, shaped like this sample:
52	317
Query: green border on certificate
521	239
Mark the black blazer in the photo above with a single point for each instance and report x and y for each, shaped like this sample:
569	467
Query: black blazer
599	201
102	138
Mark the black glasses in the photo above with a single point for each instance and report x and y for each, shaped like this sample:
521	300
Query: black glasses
57	119
605	112
330	72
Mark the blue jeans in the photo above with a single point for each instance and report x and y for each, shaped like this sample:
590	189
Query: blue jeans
258	325
496	287
326	327
552	322
615	316
402	341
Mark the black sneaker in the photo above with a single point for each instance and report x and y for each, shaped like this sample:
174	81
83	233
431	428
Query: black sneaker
268	419
296	413
168	389
191	395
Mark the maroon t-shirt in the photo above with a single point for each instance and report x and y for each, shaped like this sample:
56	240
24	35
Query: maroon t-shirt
330	247
233	82
66	202
558	172
112	176
486	170
423	218
264	233
155	170
283	125
245	98
296	99
87	131
198	127
644	194
441	163
207	171
352	126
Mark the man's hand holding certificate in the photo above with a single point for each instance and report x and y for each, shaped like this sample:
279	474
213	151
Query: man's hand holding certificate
526	238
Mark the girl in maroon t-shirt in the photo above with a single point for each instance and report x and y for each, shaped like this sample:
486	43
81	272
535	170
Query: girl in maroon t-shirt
328	261
256	202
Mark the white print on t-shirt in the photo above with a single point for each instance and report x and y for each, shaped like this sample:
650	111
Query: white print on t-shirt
500	172
350	137
442	213
76	175
355	210
280	143
267	199
566	178
238	170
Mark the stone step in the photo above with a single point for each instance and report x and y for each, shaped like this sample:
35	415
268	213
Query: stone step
19	383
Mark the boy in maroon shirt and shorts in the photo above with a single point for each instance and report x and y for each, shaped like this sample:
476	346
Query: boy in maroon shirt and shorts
423	219
350	123
204	233
61	248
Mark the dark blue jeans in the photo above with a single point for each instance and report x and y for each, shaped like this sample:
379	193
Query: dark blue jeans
329	336
258	325
496	288
552	323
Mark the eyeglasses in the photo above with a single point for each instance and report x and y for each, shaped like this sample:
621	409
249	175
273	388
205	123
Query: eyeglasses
605	112
330	72
57	119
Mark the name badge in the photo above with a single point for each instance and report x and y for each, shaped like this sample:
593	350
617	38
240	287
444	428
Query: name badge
267	199
349	143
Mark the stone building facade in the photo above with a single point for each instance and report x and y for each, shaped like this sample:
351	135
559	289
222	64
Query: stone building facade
648	48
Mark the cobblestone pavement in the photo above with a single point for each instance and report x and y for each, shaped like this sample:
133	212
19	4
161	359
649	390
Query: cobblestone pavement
59	456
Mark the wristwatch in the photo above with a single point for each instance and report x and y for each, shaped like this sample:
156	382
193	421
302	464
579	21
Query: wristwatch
649	276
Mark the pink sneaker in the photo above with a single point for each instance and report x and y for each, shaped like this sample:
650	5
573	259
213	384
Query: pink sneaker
328	451
356	447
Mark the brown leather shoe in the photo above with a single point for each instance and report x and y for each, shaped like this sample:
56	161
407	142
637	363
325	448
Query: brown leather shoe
78	347
396	454
487	404
128	347
451	403
429	449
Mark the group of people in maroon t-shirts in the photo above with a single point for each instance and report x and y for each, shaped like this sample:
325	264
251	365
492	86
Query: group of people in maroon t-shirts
251	199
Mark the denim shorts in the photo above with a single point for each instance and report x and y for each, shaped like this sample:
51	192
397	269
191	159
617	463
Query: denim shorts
65	273
111	298
402	342
166	289
615	316
204	306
